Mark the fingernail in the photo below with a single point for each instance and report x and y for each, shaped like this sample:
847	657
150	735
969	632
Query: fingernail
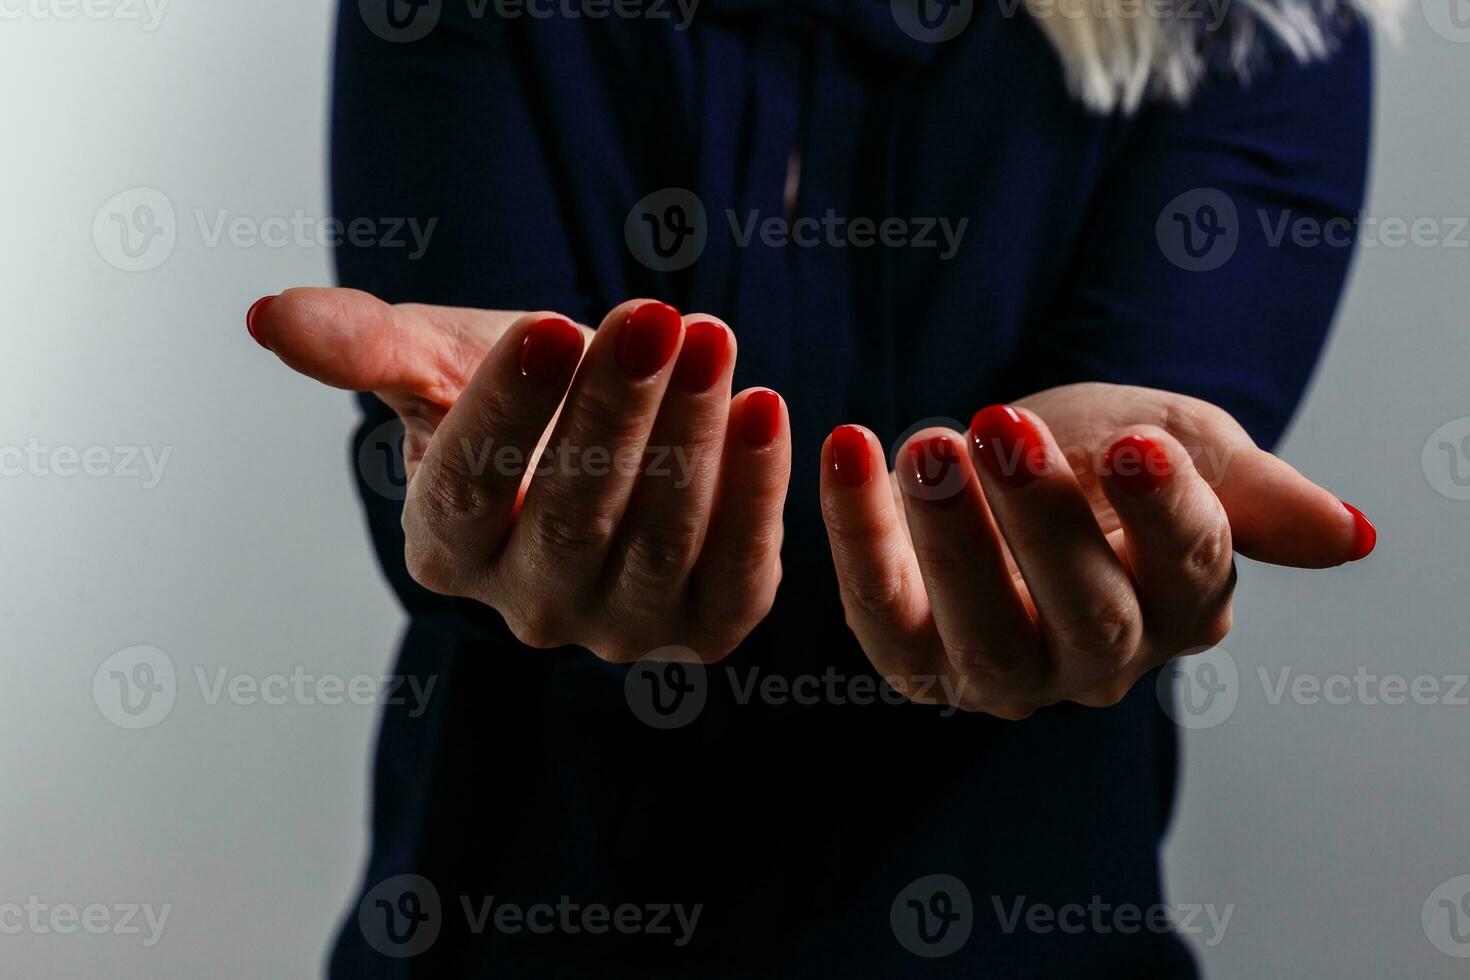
1137	464
253	312
551	349
1007	445
933	462
760	418
851	461
702	359
648	339
1365	535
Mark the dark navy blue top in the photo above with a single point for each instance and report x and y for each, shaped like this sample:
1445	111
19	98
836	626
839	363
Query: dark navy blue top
795	826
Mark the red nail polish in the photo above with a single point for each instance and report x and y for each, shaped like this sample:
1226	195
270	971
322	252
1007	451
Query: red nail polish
1007	446
702	359
934	462
1365	536
760	418
1137	464
253	312
648	339
852	464
551	349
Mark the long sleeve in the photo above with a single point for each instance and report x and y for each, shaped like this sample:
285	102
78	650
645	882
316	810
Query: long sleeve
1217	248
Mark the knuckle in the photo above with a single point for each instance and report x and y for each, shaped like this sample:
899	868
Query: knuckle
447	493
855	525
539	628
1107	632
872	595
747	558
429	567
1208	555
602	421
494	410
664	554
558	536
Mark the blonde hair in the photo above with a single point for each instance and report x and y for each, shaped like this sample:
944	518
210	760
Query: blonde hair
1116	53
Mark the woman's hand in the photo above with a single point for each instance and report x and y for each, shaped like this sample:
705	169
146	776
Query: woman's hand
1066	545
602	500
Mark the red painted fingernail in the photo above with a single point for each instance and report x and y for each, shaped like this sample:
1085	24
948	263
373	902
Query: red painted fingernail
702	359
760	418
252	313
1137	464
933	462
1365	535
851	462
1007	445
648	339
551	349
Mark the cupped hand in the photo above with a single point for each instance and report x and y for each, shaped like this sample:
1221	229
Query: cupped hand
1065	545
618	499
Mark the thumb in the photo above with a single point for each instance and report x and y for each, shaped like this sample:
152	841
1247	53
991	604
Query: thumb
1279	516
350	339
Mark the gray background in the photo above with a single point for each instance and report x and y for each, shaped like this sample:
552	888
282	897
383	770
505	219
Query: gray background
1326	826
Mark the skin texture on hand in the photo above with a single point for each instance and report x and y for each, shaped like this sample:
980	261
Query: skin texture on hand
1065	545
1058	551
618	499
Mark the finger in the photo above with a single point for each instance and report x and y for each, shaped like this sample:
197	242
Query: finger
987	630
1084	597
882	587
1177	537
668	515
1279	516
353	340
1276	514
465	492
581	487
734	581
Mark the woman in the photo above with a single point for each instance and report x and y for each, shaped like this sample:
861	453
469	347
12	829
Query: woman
1108	198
